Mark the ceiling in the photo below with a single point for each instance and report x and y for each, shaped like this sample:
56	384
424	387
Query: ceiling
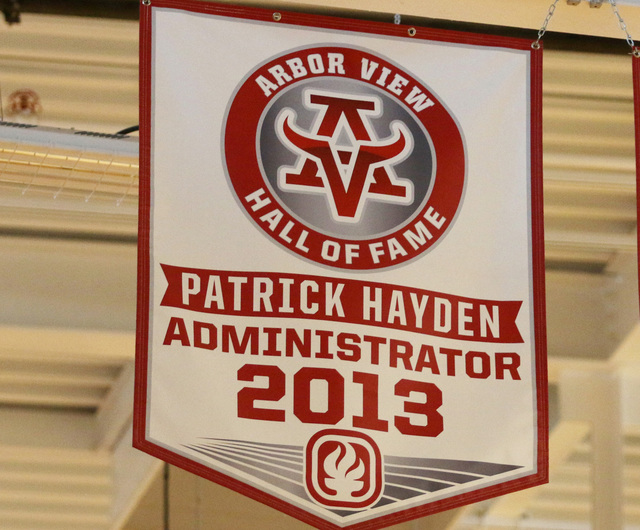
68	225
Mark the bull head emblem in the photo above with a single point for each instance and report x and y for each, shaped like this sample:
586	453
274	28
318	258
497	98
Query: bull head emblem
342	158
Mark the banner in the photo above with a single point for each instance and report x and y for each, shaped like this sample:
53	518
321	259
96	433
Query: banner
341	270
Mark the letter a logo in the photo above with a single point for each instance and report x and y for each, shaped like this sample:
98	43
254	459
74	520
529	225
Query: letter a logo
341	156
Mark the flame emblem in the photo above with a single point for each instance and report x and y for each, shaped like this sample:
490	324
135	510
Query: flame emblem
346	471
343	469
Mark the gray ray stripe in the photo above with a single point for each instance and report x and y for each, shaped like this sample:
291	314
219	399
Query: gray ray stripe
344	513
402	493
295	488
416	483
294	448
261	451
478	468
384	500
257	464
447	476
256	454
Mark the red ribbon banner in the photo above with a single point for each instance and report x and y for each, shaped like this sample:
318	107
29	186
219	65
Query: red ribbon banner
269	294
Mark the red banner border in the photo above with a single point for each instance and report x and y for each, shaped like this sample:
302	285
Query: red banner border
140	440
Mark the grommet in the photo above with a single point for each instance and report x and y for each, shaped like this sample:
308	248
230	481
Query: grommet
146	2
277	17
412	32
535	45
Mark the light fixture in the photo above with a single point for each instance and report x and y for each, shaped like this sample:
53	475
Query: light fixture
83	170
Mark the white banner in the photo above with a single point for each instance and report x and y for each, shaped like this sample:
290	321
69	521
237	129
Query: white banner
341	297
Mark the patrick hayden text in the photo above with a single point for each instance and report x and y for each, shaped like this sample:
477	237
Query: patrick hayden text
320	298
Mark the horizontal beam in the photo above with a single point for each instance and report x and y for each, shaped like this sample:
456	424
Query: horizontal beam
121	9
49	399
617	164
558	365
591	241
73	380
592	213
85	459
52	521
60	481
57	345
501	17
39	500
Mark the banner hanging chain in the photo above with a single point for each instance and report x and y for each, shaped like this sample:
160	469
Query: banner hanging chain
552	8
623	26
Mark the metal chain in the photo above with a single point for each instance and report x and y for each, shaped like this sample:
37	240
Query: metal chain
543	29
623	27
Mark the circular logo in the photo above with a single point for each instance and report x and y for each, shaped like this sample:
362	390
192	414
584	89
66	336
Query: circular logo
343	469
343	158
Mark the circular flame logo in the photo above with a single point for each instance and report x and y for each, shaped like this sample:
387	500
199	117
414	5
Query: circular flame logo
343	469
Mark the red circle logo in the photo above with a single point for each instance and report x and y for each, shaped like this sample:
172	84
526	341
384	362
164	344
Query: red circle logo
344	158
343	469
